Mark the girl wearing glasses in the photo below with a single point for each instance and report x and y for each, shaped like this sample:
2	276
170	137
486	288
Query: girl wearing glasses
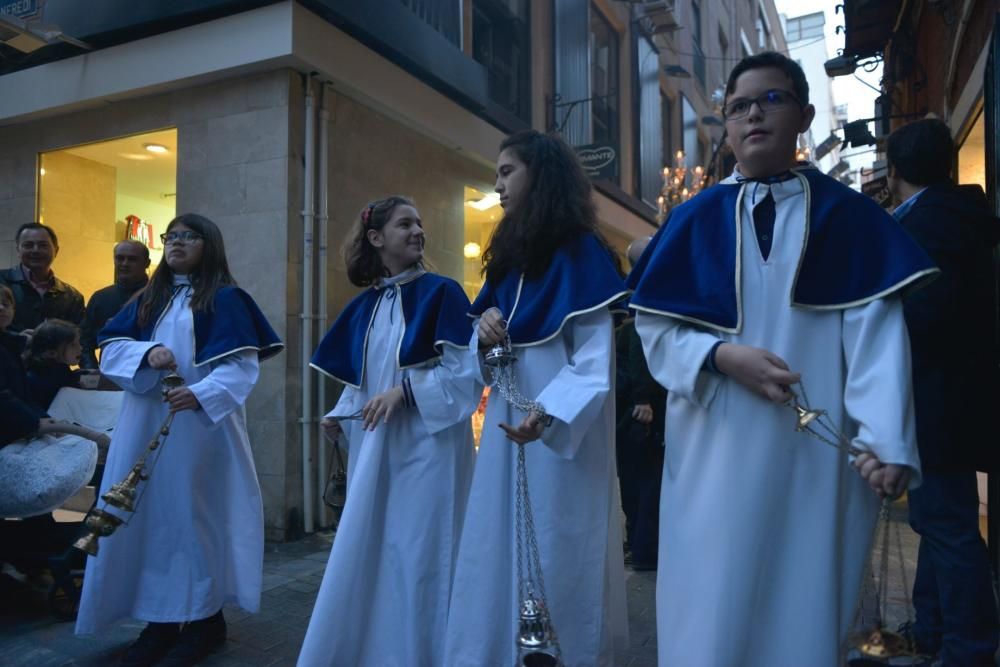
398	348
197	541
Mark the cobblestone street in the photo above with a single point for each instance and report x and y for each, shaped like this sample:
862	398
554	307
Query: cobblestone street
31	637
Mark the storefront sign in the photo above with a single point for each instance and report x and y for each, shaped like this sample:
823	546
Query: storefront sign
599	160
878	189
23	9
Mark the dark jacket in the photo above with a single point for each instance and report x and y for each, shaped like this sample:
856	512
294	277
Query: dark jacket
952	324
19	418
61	301
45	379
103	305
634	385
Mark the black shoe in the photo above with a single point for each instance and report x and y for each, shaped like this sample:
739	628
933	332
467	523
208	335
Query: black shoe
917	643
196	641
643	565
153	643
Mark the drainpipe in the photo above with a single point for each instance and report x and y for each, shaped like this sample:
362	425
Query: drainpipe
308	221
321	219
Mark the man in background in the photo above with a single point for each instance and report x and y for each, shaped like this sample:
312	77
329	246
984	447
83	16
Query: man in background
38	294
131	264
956	390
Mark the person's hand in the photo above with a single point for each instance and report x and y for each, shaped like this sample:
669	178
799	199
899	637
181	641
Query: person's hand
89	379
760	371
530	429
887	480
643	413
181	398
161	358
381	407
331	428
103	442
492	328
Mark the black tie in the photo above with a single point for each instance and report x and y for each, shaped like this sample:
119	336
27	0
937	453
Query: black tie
763	223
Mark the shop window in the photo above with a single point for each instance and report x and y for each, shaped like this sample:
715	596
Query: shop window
501	42
699	55
972	156
689	126
604	79
482	213
96	195
667	109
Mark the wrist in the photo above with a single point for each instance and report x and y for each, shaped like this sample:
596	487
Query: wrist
406	394
715	360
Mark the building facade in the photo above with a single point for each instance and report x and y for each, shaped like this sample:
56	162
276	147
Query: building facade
281	120
939	58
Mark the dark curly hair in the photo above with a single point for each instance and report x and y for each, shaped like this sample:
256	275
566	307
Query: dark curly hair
557	207
211	274
364	266
52	335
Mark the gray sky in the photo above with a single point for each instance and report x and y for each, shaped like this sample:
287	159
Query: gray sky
860	99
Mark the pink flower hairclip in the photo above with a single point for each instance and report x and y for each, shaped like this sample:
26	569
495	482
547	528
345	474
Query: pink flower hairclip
366	215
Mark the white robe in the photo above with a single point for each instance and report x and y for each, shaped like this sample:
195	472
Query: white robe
196	541
384	598
764	532
571	478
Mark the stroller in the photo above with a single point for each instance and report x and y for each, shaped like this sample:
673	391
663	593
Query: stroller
53	473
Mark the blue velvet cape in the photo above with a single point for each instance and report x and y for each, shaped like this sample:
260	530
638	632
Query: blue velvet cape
580	278
854	252
235	323
433	308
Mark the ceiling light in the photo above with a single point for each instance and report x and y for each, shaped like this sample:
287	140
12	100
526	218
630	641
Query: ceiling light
489	201
472	250
155	148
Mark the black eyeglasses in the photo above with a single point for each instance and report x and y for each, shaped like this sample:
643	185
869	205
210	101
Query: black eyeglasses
772	100
180	237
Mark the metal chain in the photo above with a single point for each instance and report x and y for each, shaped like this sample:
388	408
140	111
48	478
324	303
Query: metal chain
534	570
882	527
506	382
530	582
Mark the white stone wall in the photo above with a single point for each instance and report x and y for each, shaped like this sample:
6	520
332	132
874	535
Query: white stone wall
240	163
233	167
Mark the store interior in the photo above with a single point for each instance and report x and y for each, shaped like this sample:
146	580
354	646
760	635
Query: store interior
98	194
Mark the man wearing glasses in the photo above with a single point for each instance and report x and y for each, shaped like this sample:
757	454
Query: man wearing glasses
38	294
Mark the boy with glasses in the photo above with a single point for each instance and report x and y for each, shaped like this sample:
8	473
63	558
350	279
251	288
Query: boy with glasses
775	280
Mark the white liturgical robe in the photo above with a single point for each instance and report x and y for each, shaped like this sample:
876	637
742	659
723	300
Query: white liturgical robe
764	532
196	540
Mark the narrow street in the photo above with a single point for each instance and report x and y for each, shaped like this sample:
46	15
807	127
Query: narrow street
31	637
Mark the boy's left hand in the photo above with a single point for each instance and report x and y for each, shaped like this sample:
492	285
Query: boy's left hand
182	398
887	480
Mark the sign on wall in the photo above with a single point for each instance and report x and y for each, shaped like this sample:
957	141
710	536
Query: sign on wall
23	9
600	161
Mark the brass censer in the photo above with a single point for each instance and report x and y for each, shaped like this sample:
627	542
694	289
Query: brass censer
876	642
125	494
537	644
